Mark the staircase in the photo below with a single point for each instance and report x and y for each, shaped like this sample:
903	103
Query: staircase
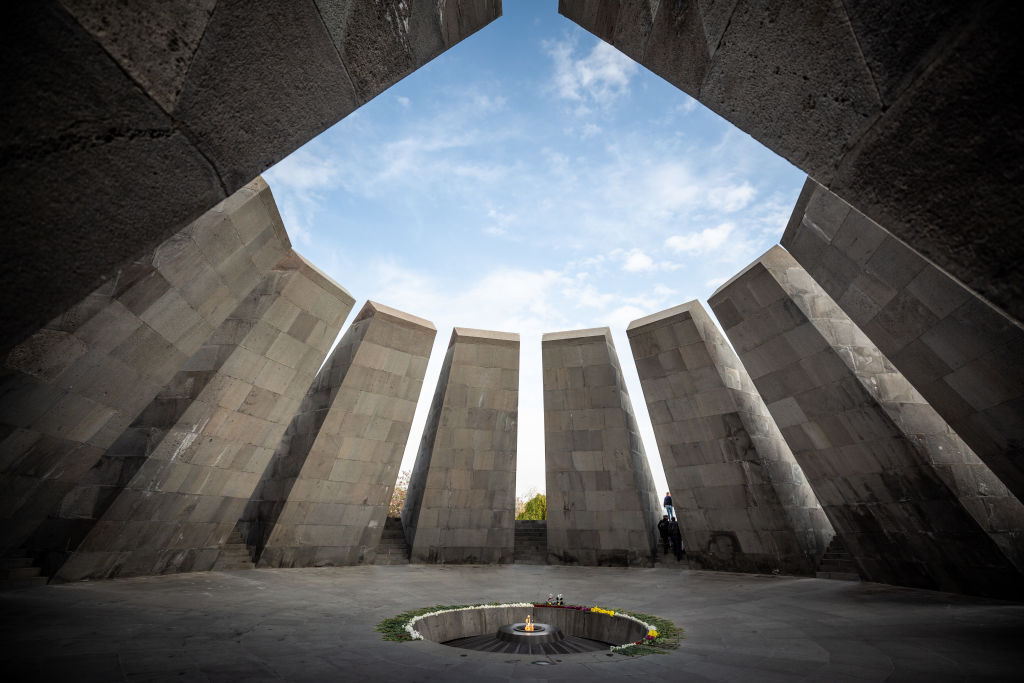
392	548
837	563
531	542
19	572
234	554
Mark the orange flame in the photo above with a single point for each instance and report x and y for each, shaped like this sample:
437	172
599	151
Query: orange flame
529	623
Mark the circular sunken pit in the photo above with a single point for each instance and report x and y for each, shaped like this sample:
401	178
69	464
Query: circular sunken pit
503	630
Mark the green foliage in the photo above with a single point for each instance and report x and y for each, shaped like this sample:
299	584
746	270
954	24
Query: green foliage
393	628
535	508
668	636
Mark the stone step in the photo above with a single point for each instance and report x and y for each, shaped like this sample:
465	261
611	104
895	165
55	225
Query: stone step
234	556
838	576
16	584
19	573
15	562
836	563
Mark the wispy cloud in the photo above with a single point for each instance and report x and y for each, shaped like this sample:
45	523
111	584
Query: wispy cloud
598	78
701	242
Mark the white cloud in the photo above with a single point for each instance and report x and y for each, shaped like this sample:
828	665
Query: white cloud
404	101
638	262
599	78
303	170
701	242
714	282
297	183
622	316
731	197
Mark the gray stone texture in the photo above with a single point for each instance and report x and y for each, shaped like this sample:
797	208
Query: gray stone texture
169	491
460	506
124	121
899	108
963	355
910	500
68	391
324	497
742	502
602	506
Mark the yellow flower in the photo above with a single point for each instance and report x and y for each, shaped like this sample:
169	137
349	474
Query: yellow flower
652	633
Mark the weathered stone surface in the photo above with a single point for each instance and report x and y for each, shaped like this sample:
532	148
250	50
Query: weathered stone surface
963	355
124	121
153	42
899	108
265	77
460	506
169	491
910	500
93	174
943	168
602	507
324	497
742	502
68	391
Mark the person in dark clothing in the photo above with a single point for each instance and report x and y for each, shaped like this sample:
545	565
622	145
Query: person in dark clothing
663	530
676	537
669	510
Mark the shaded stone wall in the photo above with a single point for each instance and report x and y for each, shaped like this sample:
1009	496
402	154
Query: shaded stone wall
460	506
170	490
602	506
742	502
69	390
912	503
125	121
899	108
324	498
964	356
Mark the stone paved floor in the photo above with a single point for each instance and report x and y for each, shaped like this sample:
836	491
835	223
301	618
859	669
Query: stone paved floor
317	625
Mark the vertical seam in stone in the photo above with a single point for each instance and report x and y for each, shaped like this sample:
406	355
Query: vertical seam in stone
341	60
176	125
863	59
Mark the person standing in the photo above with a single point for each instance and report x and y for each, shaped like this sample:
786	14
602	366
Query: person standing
676	536
669	510
663	530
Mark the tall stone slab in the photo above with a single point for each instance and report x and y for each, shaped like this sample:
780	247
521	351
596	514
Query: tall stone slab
170	490
324	498
602	506
69	390
125	122
910	500
460	506
963	355
899	108
742	502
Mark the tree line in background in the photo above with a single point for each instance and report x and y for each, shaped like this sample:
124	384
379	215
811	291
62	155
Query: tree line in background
531	505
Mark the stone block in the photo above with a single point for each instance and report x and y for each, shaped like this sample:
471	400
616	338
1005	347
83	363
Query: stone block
323	498
205	431
604	467
95	367
147	115
961	353
881	461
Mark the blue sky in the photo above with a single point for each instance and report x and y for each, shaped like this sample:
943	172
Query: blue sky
533	179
